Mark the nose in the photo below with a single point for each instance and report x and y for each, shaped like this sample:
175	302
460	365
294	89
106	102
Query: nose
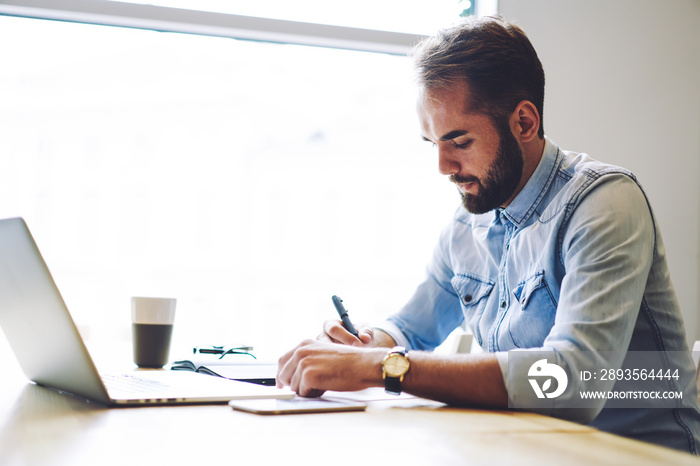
447	164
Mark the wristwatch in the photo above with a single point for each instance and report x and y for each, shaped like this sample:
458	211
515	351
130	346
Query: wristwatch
394	367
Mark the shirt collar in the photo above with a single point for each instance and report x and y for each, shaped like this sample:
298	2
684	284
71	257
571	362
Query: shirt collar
527	200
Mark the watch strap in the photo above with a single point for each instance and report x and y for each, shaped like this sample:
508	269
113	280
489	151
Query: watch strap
392	385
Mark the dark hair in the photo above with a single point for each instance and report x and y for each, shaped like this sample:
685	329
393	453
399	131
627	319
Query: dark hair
493	56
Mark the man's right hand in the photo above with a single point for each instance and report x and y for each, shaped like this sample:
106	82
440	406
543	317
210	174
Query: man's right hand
334	332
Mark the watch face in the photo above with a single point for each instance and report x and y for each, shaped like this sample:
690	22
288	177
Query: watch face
396	365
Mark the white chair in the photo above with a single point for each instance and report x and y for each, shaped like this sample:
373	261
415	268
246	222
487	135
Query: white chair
464	342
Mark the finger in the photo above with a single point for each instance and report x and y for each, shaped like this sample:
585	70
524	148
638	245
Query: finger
283	371
287	365
328	327
337	333
312	393
366	337
324	337
305	379
297	376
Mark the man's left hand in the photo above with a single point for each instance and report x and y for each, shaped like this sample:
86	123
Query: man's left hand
316	366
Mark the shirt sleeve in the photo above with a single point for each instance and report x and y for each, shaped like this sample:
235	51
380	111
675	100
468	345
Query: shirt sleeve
433	311
606	248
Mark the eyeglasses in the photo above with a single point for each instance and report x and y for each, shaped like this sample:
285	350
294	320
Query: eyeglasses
223	350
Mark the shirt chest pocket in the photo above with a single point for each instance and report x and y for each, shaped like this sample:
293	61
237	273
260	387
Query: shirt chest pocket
473	292
531	320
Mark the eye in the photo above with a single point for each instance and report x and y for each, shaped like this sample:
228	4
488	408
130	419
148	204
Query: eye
463	145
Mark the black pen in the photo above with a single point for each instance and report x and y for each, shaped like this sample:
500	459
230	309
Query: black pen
344	316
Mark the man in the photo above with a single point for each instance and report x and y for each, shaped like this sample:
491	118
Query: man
551	252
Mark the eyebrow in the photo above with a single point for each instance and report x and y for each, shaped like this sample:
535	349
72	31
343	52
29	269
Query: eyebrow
451	135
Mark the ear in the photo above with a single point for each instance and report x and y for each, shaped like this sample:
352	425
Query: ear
525	121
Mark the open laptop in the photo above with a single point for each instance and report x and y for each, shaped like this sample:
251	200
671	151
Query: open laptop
51	352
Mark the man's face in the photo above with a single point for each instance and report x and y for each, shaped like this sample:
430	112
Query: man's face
483	159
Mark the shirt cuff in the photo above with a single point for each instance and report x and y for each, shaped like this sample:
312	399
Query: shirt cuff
394	332
502	357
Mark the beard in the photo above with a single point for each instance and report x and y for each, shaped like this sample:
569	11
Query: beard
502	176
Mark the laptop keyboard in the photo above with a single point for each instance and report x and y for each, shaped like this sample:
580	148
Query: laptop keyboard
129	384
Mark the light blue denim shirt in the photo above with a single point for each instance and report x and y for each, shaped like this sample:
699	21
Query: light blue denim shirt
574	265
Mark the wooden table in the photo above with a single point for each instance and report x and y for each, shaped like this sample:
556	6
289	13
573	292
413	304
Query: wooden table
42	427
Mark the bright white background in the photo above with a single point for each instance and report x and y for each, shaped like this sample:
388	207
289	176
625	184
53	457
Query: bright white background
250	181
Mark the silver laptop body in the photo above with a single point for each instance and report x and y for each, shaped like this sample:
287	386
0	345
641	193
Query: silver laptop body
51	352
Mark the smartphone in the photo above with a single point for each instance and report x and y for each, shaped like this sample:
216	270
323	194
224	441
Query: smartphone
295	406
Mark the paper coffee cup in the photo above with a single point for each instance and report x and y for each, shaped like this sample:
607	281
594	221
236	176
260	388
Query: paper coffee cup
152	322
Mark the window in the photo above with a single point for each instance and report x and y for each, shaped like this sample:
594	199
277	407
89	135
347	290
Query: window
249	180
276	21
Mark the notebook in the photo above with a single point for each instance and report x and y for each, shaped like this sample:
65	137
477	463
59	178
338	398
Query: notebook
51	352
